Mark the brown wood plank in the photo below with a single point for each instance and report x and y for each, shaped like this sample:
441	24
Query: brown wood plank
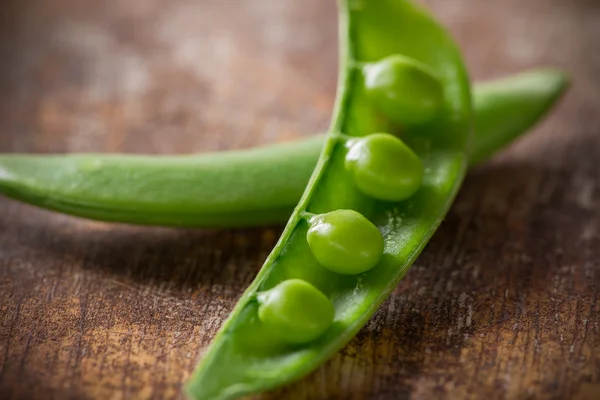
503	304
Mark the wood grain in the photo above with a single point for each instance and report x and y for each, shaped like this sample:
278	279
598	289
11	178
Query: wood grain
503	304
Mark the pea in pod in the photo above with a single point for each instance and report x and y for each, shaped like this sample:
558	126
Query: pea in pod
344	241
252	352
295	311
238	188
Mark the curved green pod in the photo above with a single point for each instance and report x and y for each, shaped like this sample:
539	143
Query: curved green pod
233	188
246	356
237	188
506	107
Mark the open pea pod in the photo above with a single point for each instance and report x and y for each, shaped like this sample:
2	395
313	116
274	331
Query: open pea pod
311	296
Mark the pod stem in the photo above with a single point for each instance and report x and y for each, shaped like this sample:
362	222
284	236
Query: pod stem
357	64
307	215
342	137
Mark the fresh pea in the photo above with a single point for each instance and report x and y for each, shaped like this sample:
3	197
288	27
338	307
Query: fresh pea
344	241
407	91
384	167
238	362
296	311
237	188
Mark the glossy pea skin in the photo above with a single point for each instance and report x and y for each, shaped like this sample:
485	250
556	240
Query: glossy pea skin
405	90
384	167
296	311
345	242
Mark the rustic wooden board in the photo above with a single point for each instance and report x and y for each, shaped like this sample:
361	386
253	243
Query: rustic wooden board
501	305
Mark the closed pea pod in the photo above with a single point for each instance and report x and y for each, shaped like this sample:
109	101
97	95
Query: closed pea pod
249	187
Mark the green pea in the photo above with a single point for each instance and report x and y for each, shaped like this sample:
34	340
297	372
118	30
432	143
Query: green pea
405	90
344	241
296	311
384	167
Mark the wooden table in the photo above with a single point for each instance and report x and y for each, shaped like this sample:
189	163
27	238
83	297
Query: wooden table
503	304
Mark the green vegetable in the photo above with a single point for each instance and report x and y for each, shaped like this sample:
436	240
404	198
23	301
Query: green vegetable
237	188
384	167
240	361
296	311
507	106
345	242
407	91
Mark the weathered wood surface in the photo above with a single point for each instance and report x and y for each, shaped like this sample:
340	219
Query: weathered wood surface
501	305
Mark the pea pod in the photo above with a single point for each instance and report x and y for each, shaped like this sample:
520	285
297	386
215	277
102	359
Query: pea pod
243	187
507	106
255	349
